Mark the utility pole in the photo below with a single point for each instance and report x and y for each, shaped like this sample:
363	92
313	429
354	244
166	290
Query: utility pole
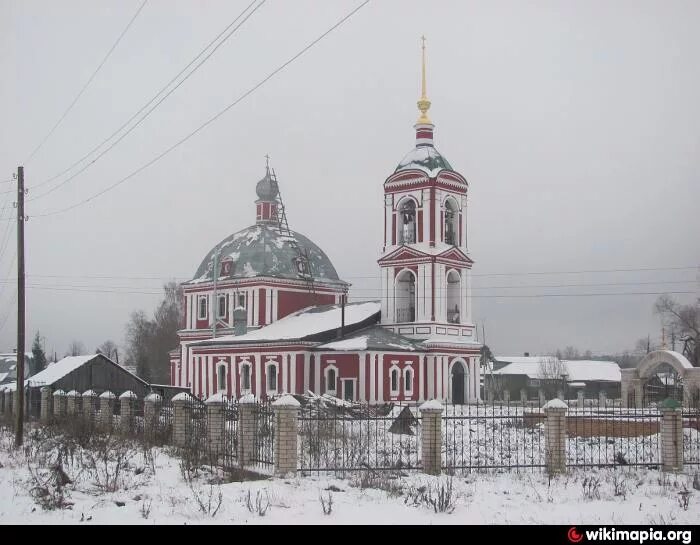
19	428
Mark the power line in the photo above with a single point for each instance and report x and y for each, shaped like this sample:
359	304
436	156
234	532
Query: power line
75	100
209	121
143	118
545	295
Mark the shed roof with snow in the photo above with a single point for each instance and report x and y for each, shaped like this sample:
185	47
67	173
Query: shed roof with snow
577	370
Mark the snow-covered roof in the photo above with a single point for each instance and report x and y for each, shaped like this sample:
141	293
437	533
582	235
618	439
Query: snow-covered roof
577	370
303	324
56	371
374	338
262	250
425	158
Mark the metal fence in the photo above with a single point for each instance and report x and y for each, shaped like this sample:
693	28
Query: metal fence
691	436
344	439
492	436
264	436
230	439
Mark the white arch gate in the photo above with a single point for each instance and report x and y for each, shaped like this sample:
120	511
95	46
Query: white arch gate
633	380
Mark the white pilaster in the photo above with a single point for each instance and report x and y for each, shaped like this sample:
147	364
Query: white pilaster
293	369
421	371
258	391
381	378
284	362
317	375
372	378
361	362
307	371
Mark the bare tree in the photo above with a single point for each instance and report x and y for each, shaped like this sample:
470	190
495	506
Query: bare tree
76	348
683	320
109	349
551	373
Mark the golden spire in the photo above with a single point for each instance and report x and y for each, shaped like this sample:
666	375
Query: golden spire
423	103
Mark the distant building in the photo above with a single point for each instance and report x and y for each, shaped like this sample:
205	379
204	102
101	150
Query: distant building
537	377
8	366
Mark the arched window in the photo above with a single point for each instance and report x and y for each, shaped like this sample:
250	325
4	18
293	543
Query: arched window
245	376
408	381
394	383
271	378
405	295
221	378
407	222
202	307
331	380
451	222
222	308
454	285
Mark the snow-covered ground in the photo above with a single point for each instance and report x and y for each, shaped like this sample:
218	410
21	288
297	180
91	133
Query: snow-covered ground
152	489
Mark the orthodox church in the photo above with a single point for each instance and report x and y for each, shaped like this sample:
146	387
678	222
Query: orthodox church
266	312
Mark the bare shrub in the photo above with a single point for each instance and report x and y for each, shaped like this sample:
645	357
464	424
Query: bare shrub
326	503
106	460
260	507
379	480
684	498
48	488
591	488
619	486
439	497
146	508
209	500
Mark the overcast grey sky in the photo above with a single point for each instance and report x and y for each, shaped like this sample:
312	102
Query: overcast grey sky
576	124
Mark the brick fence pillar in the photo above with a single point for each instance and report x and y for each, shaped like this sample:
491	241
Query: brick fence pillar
180	415
73	403
216	422
247	428
431	439
286	410
59	404
46	404
555	433
89	405
151	412
127	400
107	401
671	438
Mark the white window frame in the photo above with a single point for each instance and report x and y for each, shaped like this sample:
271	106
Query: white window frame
245	299
408	370
343	382
199	307
268	365
245	363
333	368
394	367
224	297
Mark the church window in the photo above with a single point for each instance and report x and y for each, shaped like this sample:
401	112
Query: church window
451	222
331	380
408	381
241	300
221	378
202	307
405	295
245	376
453	297
407	222
223	306
271	378
394	381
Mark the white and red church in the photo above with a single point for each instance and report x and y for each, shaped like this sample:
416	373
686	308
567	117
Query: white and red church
264	313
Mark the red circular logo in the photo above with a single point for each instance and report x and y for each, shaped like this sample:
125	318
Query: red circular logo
574	536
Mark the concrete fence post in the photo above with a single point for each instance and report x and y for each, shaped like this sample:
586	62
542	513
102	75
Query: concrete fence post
180	416
541	397
9	406
59	404
151	412
286	410
671	437
431	436
216	423
2	401
89	405
602	399
580	398
523	395
247	428
107	401
555	432
73	403
46	405
127	400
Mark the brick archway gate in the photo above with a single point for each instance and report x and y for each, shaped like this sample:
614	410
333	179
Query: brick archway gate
634	380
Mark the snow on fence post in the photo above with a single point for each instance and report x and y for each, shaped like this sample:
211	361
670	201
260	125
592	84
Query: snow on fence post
671	436
46	405
126	411
555	431
59	404
107	401
431	437
286	410
152	404
89	405
73	403
247	428
215	423
180	416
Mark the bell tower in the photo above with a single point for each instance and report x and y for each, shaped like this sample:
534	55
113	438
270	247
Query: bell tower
425	266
